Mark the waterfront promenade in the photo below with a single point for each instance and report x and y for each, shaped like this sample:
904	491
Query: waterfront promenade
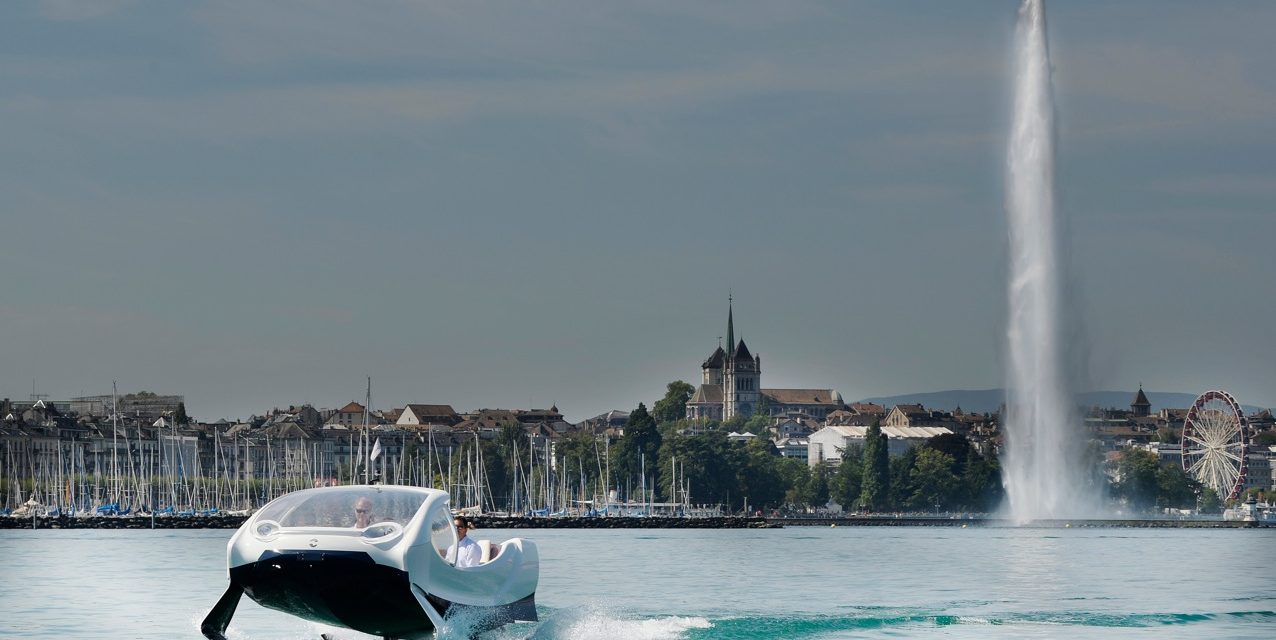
233	521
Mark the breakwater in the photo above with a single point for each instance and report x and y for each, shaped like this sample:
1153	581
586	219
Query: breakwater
656	522
125	522
489	522
976	521
229	521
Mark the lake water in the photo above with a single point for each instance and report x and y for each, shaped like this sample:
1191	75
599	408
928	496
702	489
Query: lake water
848	582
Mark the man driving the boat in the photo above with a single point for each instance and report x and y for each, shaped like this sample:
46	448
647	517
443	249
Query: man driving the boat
466	552
362	512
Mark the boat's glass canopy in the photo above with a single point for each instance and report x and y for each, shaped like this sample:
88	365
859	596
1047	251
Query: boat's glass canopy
353	506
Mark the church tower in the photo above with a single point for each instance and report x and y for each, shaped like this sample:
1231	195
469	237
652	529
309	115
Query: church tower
1141	408
741	374
711	369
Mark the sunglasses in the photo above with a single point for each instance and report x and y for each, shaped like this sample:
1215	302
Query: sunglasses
363	510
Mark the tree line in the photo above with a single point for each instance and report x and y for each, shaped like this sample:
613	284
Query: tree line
676	459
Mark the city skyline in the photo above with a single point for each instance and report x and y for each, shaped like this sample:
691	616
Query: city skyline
516	206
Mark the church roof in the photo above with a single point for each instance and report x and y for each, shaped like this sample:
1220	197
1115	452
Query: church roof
707	393
716	359
742	352
800	396
1140	400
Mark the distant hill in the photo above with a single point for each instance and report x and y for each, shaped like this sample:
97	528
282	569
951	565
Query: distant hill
985	400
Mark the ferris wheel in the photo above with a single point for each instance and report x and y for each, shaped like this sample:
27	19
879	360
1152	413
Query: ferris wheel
1215	439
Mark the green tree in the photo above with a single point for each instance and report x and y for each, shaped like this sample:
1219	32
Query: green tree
734	423
180	416
640	443
844	485
580	453
1168	435
673	406
807	486
1174	488
957	447
497	470
510	439
1208	501
902	477
760	479
981	484
818	496
875	488
758	424
1137	473
707	466
934	483
978	485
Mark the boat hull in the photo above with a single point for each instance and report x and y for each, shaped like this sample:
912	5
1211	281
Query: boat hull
343	588
350	589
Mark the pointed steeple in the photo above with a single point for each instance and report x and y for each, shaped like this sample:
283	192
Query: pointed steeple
715	360
730	325
1141	407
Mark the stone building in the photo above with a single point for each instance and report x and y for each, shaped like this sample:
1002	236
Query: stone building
731	385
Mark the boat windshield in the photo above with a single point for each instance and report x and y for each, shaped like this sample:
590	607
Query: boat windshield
351	507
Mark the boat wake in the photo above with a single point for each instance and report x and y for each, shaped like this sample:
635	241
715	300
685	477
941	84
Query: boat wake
600	623
603	623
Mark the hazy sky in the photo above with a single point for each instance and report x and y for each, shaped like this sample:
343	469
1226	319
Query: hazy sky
509	204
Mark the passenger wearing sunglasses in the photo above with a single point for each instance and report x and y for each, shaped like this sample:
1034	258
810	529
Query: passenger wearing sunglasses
362	513
466	552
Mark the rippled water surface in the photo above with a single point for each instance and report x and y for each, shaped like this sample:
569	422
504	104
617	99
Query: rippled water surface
798	582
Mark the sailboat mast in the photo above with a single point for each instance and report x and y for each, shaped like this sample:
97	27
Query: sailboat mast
115	469
642	459
367	408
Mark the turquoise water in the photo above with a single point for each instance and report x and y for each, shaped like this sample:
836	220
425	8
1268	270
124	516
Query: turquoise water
846	582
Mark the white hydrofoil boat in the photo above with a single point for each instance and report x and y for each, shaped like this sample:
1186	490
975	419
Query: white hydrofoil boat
373	558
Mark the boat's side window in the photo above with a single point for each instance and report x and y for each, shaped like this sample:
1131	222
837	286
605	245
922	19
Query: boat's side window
442	535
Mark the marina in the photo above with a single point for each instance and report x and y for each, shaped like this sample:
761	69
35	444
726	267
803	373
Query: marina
234	520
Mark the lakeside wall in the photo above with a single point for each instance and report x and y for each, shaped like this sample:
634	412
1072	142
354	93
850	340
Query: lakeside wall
887	521
487	522
125	522
492	522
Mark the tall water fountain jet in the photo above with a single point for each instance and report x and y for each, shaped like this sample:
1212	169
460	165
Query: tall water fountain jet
1043	474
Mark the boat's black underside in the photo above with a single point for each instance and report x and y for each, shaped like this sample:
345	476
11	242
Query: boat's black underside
349	589
343	588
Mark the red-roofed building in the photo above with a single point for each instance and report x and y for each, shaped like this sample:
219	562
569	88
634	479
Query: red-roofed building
350	415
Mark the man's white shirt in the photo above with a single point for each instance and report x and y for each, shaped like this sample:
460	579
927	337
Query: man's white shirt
469	554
